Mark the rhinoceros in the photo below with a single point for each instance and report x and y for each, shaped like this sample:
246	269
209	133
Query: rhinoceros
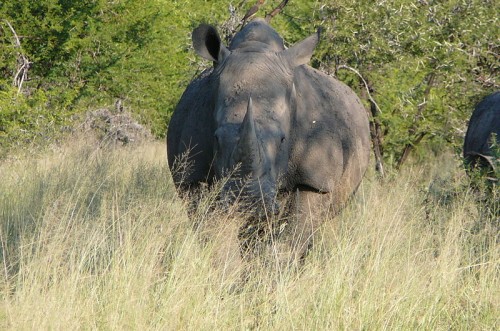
271	124
484	122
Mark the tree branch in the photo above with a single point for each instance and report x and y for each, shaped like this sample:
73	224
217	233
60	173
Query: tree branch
416	121
23	64
375	127
343	66
276	11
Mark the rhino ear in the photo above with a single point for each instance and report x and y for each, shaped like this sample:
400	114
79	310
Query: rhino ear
207	43
302	52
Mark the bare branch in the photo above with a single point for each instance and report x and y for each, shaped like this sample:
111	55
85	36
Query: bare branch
251	12
18	43
343	66
375	126
276	11
230	26
23	64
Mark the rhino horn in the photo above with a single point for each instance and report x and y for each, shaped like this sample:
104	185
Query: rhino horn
248	149
293	97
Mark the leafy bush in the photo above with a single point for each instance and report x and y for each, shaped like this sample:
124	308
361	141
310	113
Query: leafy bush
425	64
85	55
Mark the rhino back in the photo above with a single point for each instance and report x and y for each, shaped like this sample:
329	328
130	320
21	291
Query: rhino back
484	121
191	130
331	145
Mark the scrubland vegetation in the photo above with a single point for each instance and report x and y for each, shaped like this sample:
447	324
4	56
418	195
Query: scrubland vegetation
424	63
95	237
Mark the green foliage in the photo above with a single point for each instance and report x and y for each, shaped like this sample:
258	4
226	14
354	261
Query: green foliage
27	121
426	62
84	55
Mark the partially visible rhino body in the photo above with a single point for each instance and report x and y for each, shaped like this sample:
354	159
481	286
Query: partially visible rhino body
275	125
483	125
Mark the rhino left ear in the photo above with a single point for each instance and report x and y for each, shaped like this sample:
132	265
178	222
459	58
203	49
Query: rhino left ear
302	52
207	43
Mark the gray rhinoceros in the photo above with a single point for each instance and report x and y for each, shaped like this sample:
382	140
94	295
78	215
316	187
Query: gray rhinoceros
484	122
274	125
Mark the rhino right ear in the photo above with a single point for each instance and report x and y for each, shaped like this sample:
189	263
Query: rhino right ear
302	52
207	43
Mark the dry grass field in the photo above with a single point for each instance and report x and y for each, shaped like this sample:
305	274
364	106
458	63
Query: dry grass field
96	238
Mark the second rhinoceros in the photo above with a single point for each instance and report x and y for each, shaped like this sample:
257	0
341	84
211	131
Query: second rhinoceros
274	125
484	125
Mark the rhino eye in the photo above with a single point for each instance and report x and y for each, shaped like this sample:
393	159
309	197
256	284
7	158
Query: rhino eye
282	139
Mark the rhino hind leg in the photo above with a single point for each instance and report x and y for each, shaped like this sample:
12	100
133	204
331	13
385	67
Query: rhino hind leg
482	165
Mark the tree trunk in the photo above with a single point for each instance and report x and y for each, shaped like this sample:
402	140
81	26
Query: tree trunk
377	136
376	132
416	138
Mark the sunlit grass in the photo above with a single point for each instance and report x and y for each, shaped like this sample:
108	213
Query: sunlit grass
97	238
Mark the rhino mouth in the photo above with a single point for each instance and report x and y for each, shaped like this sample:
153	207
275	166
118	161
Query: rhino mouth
254	197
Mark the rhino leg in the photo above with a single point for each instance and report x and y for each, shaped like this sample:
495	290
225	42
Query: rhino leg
287	237
220	234
307	211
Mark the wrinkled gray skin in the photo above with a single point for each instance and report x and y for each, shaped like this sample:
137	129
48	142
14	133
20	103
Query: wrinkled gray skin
484	121
288	127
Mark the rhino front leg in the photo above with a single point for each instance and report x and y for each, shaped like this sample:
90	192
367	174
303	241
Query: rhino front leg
287	237
307	211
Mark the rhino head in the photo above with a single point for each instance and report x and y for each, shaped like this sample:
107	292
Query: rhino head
253	107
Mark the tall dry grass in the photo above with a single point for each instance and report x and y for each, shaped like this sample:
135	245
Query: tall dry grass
97	239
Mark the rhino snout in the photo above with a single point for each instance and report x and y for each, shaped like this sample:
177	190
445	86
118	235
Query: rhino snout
256	196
